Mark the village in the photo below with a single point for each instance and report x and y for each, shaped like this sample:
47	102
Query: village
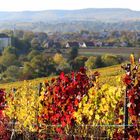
83	39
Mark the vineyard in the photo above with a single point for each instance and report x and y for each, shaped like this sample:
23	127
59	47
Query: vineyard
83	105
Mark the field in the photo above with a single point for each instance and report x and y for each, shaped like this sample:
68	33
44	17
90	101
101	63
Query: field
84	105
123	51
118	51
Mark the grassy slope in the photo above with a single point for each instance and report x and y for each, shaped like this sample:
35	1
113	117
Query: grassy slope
107	73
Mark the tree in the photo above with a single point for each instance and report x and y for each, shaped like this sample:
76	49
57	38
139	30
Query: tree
11	74
40	66
78	62
9	57
109	59
22	46
63	67
90	63
58	58
61	63
2	68
42	36
28	35
27	72
73	53
35	43
99	63
9	50
32	54
18	33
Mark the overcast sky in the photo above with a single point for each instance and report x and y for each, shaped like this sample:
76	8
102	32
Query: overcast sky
33	5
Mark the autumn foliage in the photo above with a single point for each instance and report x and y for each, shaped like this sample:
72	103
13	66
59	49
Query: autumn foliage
132	82
62	97
73	104
4	133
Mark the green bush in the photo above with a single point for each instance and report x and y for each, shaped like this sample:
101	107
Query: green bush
91	62
110	59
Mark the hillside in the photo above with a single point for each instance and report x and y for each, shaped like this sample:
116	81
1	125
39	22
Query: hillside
112	71
71	20
70	15
28	103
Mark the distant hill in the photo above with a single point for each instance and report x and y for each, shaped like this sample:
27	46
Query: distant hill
105	14
69	20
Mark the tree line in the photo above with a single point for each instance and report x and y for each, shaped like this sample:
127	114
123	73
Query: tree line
35	63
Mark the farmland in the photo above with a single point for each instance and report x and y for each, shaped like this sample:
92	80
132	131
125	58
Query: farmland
67	75
123	51
73	104
118	51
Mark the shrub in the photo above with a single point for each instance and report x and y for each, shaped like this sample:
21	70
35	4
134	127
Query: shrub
90	63
110	59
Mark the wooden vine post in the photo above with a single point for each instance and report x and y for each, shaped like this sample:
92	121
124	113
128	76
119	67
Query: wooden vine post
128	72
131	70
37	110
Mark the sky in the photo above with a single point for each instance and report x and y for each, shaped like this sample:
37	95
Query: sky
37	5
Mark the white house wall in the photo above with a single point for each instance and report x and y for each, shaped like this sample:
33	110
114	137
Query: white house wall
4	42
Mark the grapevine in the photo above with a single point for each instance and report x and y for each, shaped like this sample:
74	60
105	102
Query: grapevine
4	120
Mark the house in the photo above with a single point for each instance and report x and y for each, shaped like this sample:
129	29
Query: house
51	44
104	35
86	44
82	45
72	44
116	34
98	44
109	44
124	44
5	40
89	44
138	35
45	44
56	45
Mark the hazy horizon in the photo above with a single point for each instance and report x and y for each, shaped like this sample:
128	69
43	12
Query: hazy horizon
70	9
40	5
